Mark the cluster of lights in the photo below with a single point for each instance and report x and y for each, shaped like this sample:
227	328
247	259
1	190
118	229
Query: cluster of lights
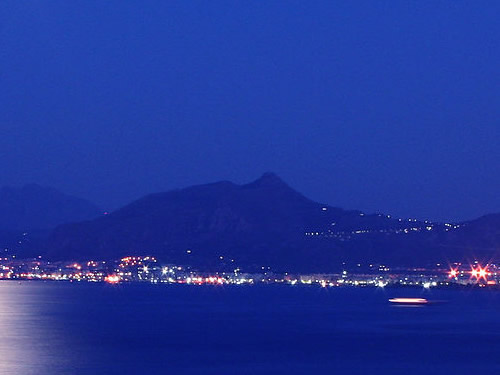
134	261
112	279
146	269
206	280
476	272
479	273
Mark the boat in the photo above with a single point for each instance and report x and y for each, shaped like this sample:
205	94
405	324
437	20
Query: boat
409	301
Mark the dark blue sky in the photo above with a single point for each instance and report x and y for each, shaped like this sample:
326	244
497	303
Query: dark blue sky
382	106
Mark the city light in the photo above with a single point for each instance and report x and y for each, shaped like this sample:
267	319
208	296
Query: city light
482	273
474	272
112	279
147	269
479	273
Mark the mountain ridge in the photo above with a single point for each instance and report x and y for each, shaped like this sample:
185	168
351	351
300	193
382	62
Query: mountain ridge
258	223
33	206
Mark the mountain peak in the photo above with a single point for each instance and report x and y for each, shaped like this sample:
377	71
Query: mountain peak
268	179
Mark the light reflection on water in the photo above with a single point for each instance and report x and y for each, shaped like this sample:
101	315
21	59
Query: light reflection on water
63	328
27	341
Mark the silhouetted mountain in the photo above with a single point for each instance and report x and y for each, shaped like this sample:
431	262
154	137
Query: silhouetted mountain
40	208
263	223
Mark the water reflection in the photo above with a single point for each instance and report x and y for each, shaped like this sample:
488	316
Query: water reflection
29	340
62	328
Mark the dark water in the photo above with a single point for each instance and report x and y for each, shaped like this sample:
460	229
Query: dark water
60	328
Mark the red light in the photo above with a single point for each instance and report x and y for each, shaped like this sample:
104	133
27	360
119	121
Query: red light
474	273
453	273
479	272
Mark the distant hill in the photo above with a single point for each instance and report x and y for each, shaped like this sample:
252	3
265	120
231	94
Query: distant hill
33	207
264	224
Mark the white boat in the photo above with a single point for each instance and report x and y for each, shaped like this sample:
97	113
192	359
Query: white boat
408	301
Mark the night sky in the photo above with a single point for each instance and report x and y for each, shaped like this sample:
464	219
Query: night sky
381	106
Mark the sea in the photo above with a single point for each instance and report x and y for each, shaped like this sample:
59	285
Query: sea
52	328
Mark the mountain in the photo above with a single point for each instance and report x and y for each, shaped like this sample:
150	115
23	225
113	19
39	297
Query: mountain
262	224
33	207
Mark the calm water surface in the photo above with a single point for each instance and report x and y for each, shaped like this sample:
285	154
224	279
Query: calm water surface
63	328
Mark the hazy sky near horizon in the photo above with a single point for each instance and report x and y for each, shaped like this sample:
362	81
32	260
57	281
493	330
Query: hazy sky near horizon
383	106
